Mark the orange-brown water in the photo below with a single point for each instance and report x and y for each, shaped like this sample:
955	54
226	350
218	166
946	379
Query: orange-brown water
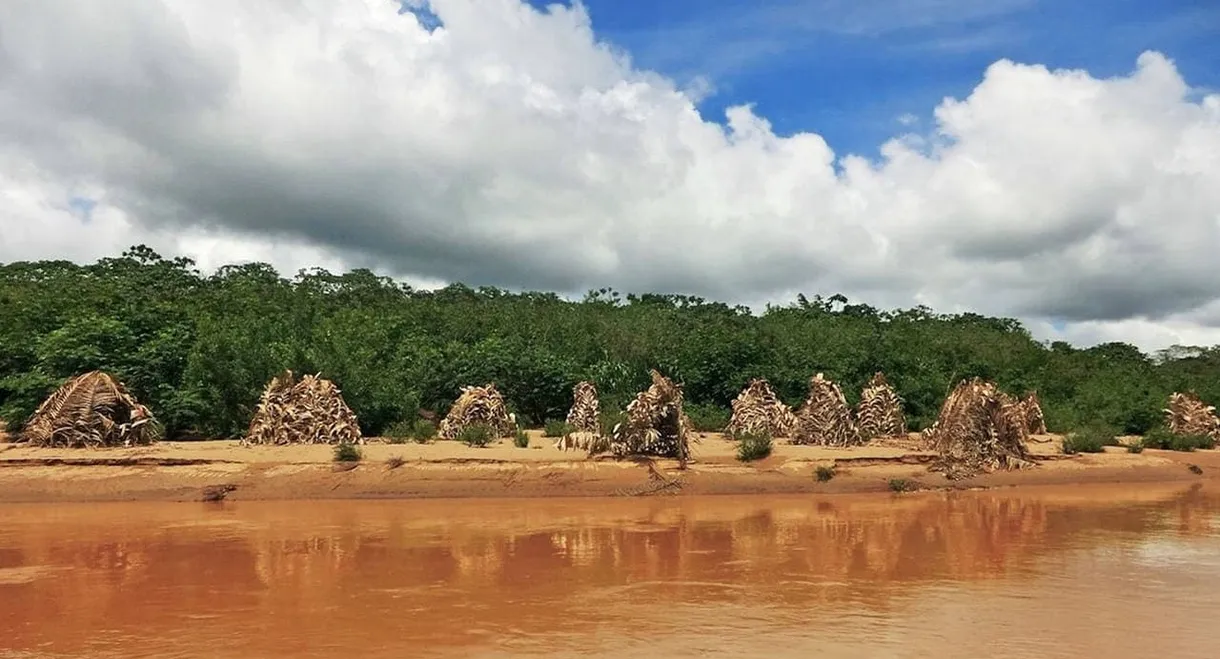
1069	572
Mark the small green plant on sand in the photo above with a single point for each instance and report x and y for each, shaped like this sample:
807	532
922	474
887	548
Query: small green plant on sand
1161	438
395	461
1089	440
824	473
556	428
901	485
753	446
476	435
1136	446
345	452
521	439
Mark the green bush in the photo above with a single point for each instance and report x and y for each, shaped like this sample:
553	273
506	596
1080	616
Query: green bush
345	452
607	419
708	418
901	485
752	447
556	428
824	473
423	431
1136	446
1091	439
476	435
1162	438
521	439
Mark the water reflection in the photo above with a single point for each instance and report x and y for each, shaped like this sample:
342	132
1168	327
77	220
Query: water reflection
365	578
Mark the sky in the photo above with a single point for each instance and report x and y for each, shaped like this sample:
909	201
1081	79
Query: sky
1053	161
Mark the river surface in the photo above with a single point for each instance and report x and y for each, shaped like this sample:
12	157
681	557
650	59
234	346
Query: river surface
1074	572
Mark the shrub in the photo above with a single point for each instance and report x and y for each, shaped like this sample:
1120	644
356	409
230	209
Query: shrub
901	485
395	461
555	428
1136	446
607	419
521	439
345	452
753	446
476	435
1162	438
708	418
824	473
423	431
1092	439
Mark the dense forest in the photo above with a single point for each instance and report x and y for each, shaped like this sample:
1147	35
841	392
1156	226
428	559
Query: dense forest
198	349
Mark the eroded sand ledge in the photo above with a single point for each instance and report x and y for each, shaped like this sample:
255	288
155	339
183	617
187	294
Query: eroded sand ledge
184	471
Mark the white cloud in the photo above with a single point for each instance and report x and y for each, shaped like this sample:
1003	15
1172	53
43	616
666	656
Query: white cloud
509	147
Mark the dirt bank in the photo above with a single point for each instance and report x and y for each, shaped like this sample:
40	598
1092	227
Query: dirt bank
185	471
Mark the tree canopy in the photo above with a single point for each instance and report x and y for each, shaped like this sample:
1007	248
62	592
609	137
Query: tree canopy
198	349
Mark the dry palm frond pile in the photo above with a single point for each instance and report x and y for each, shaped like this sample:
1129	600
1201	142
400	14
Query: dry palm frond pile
310	410
1187	414
656	424
583	417
478	406
879	413
584	427
979	429
1035	423
92	409
825	418
757	410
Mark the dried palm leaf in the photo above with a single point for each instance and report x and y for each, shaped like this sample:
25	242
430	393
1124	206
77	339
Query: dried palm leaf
92	409
306	411
825	418
879	413
478	405
757	410
980	429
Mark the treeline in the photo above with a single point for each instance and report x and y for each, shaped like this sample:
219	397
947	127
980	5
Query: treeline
199	349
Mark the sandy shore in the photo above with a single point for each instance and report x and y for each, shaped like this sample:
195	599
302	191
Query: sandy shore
184	471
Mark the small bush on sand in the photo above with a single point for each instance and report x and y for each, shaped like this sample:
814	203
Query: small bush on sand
1136	446
476	435
707	418
556	428
521	439
753	446
824	473
1162	438
395	461
1089	440
901	485
345	452
423	431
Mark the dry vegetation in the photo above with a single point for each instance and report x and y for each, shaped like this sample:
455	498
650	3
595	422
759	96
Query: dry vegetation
478	406
825	418
91	410
583	427
310	410
757	410
1031	410
655	425
980	429
879	413
1188	415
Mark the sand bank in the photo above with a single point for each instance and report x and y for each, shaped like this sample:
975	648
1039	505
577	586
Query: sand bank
185	471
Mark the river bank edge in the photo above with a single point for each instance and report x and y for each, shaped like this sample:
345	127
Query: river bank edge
220	469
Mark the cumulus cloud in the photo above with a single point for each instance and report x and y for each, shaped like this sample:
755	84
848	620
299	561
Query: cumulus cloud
509	146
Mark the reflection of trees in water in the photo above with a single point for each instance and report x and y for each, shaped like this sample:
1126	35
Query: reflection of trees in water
795	552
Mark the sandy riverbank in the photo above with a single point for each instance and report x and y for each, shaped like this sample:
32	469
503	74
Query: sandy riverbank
183	471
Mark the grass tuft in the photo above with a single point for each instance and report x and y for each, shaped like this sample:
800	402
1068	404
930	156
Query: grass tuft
476	435
395	461
345	452
824	473
753	446
521	439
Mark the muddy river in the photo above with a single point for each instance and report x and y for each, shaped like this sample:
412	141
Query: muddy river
1082	571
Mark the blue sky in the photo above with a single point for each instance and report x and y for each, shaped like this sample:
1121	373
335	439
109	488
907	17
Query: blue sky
848	69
